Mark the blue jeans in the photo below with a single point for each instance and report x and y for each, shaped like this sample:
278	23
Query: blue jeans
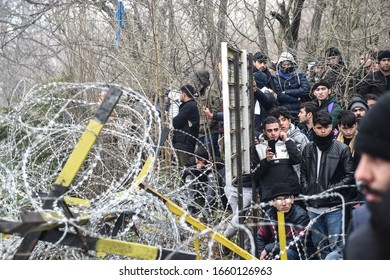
326	232
211	142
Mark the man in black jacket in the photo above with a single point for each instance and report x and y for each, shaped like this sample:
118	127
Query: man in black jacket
326	167
369	237
377	82
186	125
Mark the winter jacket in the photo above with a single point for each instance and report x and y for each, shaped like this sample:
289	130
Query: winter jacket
336	169
186	124
308	133
332	106
296	221
300	140
375	83
279	169
266	101
338	77
210	99
293	88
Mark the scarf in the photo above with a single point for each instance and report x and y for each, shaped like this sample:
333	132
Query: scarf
286	76
323	143
351	145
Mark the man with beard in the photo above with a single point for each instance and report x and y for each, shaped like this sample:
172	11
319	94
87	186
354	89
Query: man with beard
326	166
377	82
306	113
359	107
369	239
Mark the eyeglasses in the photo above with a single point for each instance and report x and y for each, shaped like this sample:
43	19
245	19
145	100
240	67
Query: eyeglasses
286	199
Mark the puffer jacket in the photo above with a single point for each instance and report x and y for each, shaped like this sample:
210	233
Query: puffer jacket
293	88
279	169
336	169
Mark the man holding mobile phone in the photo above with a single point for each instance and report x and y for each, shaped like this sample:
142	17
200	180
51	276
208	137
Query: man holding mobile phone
276	156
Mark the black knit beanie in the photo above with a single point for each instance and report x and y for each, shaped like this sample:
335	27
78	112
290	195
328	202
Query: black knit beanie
333	51
321	82
383	54
260	57
374	133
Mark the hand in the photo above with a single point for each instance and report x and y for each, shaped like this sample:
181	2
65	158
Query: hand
269	154
283	136
263	254
207	113
200	165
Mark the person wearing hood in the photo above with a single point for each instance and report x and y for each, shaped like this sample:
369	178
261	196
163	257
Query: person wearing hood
359	107
369	238
292	87
322	91
209	98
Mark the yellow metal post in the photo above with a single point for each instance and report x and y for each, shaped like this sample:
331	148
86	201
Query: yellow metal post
282	236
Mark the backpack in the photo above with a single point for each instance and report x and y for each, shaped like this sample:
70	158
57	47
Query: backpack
330	107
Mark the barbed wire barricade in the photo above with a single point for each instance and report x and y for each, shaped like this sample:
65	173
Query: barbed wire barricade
41	131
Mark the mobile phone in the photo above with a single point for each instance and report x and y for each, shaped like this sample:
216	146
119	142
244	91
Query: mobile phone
271	144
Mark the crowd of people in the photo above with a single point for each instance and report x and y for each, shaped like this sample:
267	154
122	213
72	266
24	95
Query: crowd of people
320	155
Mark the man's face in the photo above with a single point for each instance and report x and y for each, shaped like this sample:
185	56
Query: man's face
260	65
182	96
319	70
375	66
375	172
333	60
322	131
371	102
272	131
348	132
303	116
287	64
359	112
322	93
384	65
283	203
285	123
